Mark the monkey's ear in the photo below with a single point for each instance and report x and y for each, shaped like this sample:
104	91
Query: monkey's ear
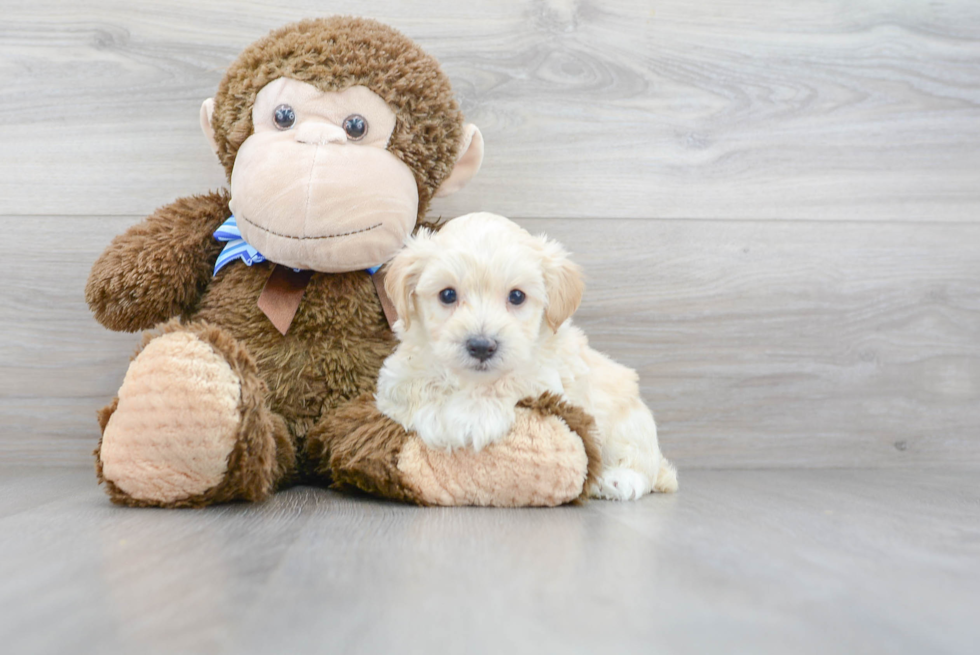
403	272
207	110
467	164
563	281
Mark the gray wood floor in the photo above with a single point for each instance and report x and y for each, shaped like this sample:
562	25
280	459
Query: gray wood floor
829	561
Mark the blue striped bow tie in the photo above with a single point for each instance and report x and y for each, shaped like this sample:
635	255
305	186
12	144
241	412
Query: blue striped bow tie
237	248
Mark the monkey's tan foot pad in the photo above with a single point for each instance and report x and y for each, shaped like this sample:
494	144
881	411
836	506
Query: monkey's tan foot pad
541	463
179	433
548	459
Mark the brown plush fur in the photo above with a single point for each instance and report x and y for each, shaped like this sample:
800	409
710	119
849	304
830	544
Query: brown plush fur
339	52
263	454
579	422
358	447
161	270
332	352
334	348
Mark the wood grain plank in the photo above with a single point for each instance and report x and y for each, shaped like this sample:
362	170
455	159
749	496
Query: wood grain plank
810	344
758	343
738	561
863	110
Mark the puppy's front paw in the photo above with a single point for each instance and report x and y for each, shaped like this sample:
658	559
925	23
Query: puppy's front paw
621	484
450	426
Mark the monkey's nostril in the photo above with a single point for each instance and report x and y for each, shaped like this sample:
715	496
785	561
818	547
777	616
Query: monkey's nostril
481	348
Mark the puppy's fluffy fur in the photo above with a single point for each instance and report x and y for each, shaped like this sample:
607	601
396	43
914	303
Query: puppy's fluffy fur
456	394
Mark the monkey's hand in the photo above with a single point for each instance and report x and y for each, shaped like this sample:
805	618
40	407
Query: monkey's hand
159	268
549	458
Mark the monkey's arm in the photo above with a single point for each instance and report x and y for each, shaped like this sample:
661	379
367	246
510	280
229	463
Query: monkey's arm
158	268
549	458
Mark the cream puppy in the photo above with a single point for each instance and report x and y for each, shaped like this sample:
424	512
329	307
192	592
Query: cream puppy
483	312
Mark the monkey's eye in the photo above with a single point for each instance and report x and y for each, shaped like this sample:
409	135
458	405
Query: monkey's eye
356	127
447	296
284	116
516	297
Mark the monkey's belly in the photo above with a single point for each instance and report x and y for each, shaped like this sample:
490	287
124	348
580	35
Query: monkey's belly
332	352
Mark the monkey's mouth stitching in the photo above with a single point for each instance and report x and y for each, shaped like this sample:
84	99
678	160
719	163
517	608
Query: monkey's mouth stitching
290	236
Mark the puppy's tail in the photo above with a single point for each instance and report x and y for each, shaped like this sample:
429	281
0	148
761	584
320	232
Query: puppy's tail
666	477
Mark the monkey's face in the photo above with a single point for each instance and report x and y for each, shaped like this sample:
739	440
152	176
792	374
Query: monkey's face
315	187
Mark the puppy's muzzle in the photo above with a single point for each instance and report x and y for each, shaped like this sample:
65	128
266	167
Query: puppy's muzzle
481	348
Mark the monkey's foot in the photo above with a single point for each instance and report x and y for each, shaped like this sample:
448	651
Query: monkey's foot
190	426
548	459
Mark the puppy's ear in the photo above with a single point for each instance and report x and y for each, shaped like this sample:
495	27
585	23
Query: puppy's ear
563	281
403	272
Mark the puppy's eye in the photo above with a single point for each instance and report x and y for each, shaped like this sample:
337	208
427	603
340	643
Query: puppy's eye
356	127
447	296
284	117
516	297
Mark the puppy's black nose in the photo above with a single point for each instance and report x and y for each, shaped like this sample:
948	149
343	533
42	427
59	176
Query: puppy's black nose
481	348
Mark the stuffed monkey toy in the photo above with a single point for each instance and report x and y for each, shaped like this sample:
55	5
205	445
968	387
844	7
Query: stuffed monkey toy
268	330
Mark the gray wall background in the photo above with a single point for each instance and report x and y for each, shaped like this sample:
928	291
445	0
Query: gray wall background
776	203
